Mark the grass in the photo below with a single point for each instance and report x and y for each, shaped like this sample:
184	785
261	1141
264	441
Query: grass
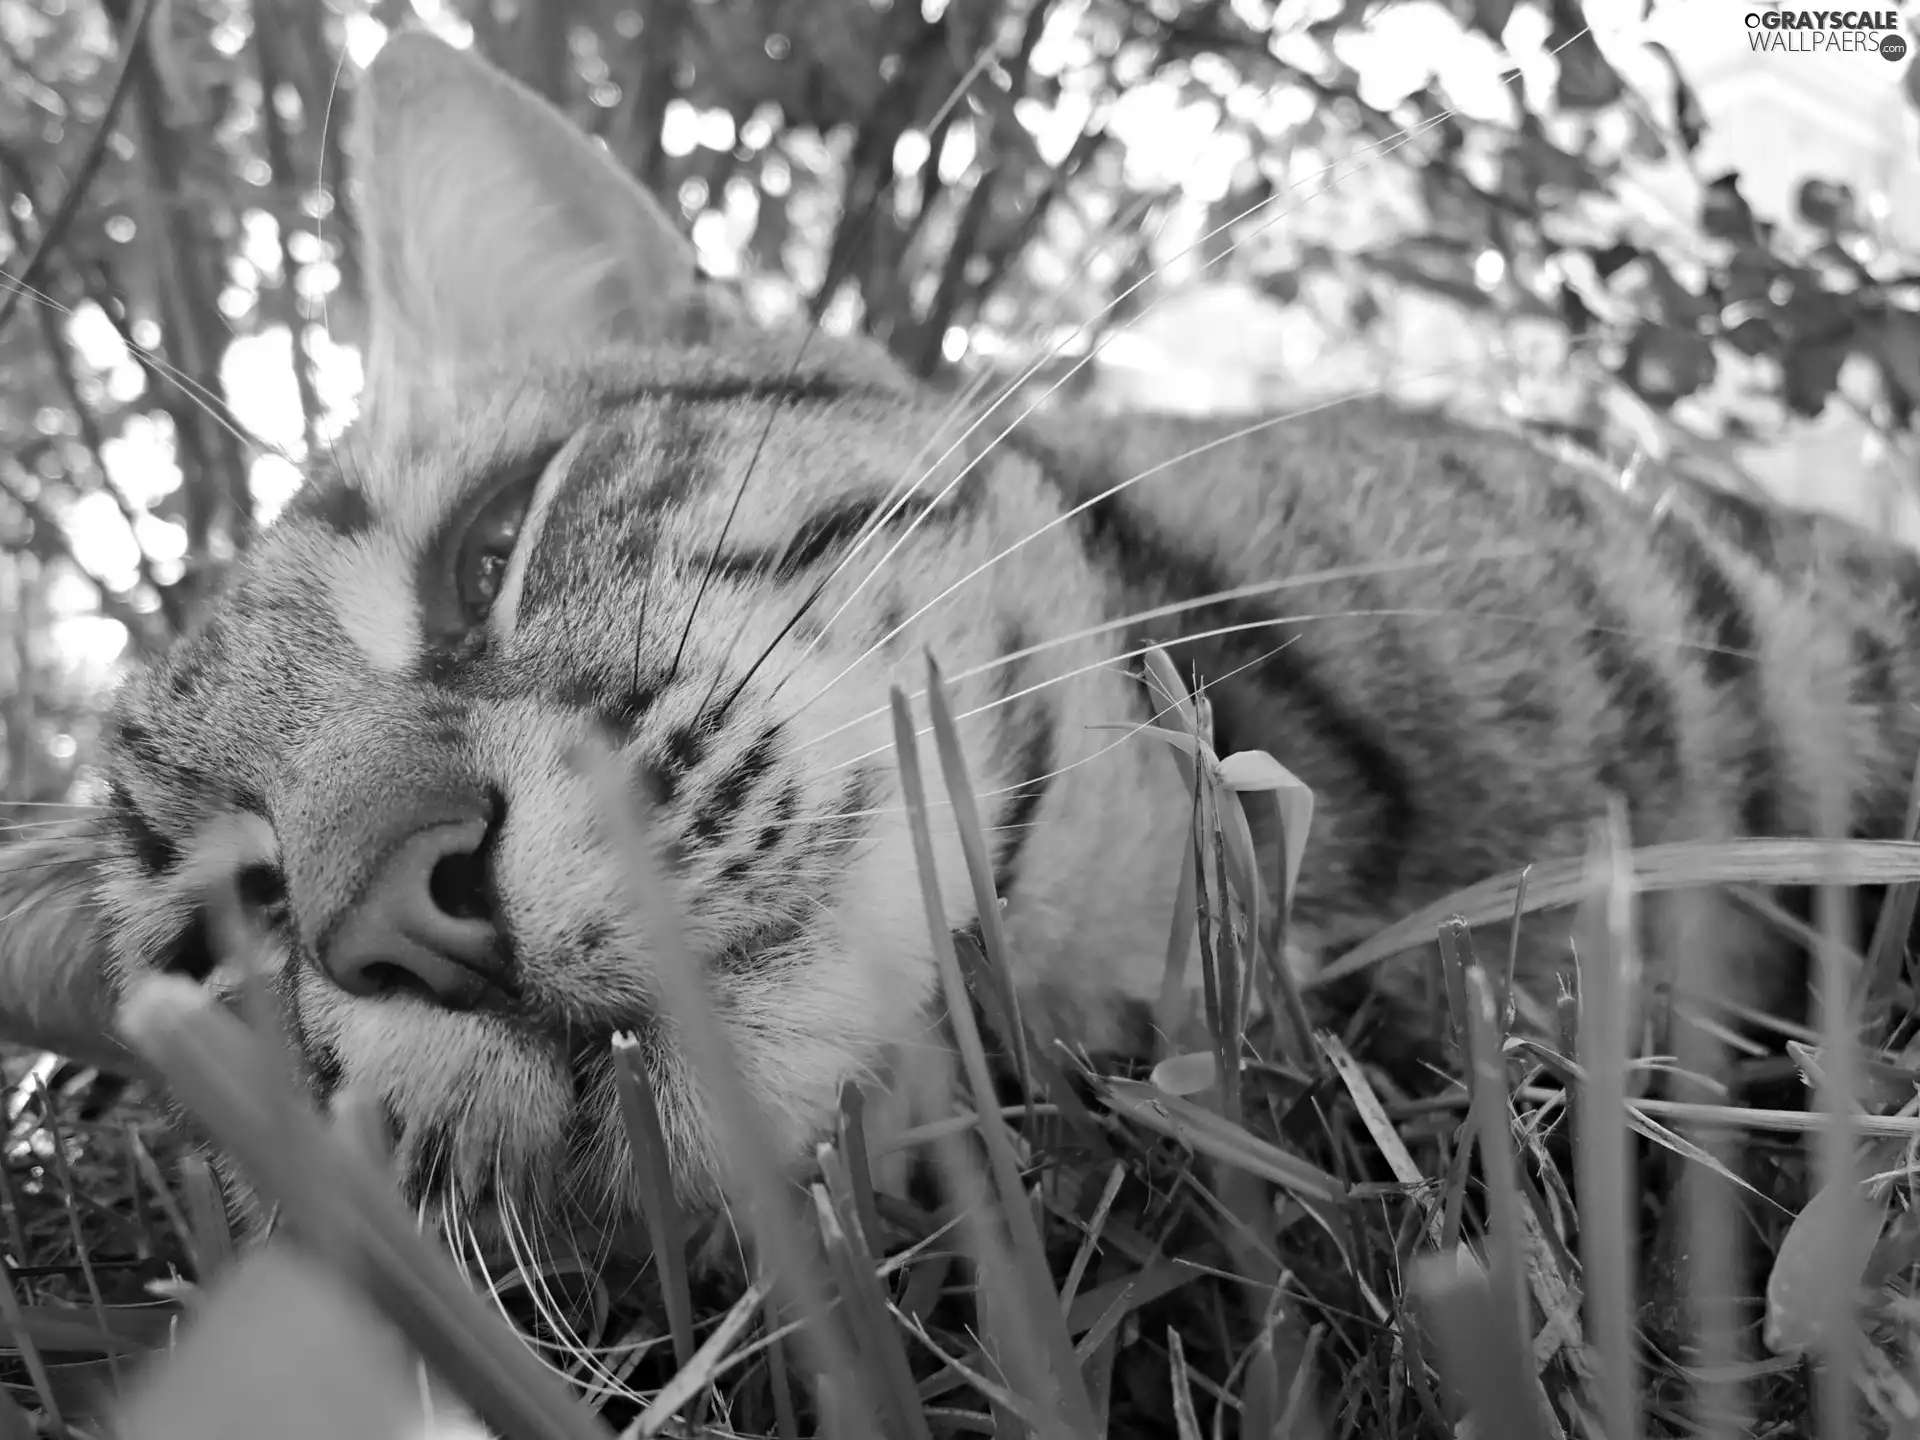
1265	1228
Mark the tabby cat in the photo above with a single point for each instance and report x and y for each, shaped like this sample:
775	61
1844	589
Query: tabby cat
585	498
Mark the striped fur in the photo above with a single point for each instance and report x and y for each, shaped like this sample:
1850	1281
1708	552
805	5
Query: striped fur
1716	664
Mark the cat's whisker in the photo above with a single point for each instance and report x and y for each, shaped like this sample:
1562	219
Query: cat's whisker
829	285
1268	622
1180	607
215	407
901	495
936	803
1243	432
531	1267
1012	390
320	197
956	411
1380	151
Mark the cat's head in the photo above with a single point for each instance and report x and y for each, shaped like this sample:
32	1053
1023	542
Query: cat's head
557	521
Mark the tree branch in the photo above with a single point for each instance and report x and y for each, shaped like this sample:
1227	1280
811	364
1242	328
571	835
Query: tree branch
60	356
662	24
283	302
319	66
187	301
132	36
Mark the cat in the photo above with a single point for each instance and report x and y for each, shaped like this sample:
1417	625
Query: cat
585	497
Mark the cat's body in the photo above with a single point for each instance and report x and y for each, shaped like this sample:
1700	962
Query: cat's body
532	540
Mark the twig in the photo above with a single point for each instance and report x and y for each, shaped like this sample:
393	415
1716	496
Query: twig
947	295
187	302
286	300
870	168
60	353
319	65
50	238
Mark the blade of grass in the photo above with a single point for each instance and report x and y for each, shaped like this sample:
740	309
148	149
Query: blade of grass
14	1423
1886	952
1506	1239
1675	865
1226	957
1040	1307
1834	1381
210	1236
163	1197
81	1249
776	1229
15	1324
1090	1238
1482	1355
1373	1116
693	1378
1709	1209
216	1069
287	1347
1260	1390
859	1166
860	1293
1173	712
1186	1419
785	1417
1508	996
1603	1158
659	1209
973	844
1219	1138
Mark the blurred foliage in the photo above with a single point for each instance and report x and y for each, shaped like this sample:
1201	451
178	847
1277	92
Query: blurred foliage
986	185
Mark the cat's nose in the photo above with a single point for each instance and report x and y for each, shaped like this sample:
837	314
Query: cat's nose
426	924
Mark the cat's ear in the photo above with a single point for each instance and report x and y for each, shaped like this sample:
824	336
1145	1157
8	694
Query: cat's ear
492	224
56	990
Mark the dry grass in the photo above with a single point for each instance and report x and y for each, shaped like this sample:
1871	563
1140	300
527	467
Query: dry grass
1274	1230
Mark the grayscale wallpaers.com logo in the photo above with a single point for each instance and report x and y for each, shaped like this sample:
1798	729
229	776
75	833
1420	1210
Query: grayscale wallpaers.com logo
1805	31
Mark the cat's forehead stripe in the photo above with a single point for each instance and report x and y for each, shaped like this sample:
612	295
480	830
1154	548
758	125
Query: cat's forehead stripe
369	582
360	546
371	524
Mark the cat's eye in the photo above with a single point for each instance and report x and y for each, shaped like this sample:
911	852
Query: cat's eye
263	891
486	546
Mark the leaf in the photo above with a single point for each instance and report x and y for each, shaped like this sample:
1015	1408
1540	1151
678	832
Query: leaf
1724	212
1665	363
1256	770
1280	285
1672	865
1169	692
1106	1304
14	1424
1810	375
1587	80
1824	1238
111	1330
1746	326
1221	1139
1689	116
1827	205
1187	1074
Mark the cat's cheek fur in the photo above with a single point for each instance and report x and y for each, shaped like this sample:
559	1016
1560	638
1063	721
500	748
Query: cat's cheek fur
470	1099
